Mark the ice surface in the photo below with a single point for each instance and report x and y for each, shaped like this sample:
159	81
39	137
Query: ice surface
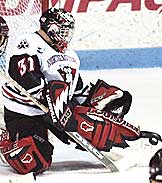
71	165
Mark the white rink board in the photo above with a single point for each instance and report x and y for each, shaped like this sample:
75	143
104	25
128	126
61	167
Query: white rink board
101	24
100	28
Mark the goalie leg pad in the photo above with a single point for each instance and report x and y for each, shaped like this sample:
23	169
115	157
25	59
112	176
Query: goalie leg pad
24	155
103	129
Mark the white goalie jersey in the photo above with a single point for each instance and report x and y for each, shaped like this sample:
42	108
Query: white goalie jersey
32	64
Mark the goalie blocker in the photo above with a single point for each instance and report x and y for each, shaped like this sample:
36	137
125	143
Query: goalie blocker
103	129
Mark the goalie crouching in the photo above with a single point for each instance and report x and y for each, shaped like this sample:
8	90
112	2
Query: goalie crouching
40	59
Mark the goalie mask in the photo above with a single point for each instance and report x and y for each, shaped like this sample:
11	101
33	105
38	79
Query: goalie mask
156	167
58	24
3	35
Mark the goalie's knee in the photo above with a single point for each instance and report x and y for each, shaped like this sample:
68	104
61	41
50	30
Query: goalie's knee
30	154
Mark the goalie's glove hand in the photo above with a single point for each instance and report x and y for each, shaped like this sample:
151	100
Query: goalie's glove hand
109	98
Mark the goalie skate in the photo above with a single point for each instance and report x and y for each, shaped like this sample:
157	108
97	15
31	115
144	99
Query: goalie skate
138	153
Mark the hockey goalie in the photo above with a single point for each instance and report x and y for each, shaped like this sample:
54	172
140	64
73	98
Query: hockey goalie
43	65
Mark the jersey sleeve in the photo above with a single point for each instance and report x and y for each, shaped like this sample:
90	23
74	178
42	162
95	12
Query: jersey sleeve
25	69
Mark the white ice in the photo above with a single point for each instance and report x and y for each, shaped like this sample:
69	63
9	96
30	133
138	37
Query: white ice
71	165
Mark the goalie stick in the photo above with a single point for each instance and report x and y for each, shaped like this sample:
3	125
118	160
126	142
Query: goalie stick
106	161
